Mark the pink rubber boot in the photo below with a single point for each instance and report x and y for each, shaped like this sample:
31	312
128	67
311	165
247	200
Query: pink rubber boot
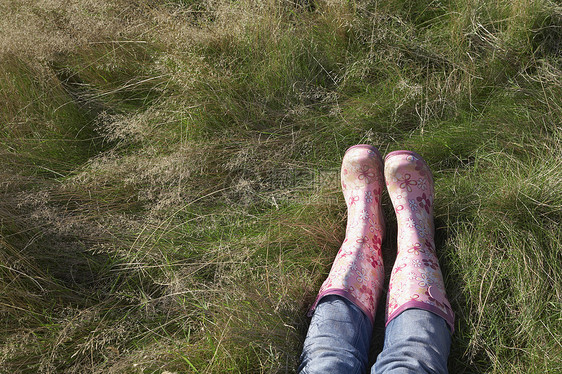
357	272
416	280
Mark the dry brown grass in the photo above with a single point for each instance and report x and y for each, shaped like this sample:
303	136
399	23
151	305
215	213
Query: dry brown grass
42	29
164	198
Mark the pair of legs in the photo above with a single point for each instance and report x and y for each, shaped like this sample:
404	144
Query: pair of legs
416	341
419	319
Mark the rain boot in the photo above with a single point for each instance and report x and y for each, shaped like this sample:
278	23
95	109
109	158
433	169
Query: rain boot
416	280
357	272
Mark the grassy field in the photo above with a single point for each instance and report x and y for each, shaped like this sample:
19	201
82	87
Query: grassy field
170	198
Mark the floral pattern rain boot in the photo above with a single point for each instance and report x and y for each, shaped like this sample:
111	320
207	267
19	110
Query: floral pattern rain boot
357	272
416	280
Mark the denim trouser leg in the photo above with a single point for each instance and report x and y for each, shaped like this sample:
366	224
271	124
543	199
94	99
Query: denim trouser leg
338	338
417	341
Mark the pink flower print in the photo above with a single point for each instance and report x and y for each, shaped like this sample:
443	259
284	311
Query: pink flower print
424	202
344	254
368	196
376	241
406	182
378	250
398	268
420	167
370	222
364	292
362	276
400	197
362	240
423	229
353	199
359	256
415	249
364	214
424	280
429	245
417	263
422	184
371	225
410	223
365	175
430	263
413	205
377	192
374	261
399	208
369	295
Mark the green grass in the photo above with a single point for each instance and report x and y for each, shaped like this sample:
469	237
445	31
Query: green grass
170	193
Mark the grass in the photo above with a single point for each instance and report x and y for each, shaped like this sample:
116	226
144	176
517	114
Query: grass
170	193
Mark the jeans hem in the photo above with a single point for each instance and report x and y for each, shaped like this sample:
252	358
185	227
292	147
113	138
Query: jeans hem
345	295
413	304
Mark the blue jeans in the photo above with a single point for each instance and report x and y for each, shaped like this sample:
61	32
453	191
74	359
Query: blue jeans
417	341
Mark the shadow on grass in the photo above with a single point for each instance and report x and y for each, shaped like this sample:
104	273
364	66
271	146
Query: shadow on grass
460	345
